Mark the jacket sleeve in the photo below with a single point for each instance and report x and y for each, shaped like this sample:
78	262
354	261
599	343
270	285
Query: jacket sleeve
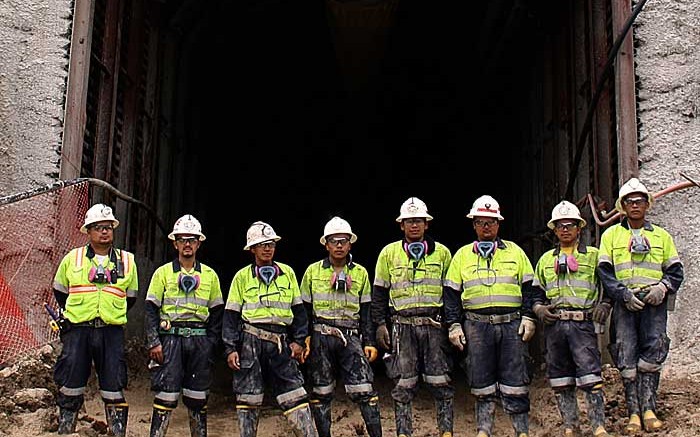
673	277
300	324
232	327
528	292
612	287
151	324
61	298
367	328
215	323
452	305
380	305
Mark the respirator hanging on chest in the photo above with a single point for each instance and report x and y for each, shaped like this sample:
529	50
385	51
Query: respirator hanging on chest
416	250
639	244
340	281
565	264
188	283
485	249
101	275
267	274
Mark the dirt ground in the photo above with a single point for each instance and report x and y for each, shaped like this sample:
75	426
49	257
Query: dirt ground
25	413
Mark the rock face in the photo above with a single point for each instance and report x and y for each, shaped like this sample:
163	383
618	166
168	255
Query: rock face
668	69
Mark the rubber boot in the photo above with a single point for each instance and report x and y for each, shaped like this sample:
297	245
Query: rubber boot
445	420
198	422
568	408
66	421
117	417
634	424
373	420
403	412
247	420
485	412
302	421
596	411
648	386
321	410
521	424
160	419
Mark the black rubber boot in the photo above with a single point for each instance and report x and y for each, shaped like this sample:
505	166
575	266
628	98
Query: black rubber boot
248	421
66	421
322	417
198	422
634	424
568	408
521	424
445	419
117	417
485	412
373	420
631	396
160	419
596	408
648	385
403	412
301	420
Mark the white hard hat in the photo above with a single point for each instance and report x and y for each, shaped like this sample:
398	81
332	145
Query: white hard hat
566	210
413	207
485	206
632	186
98	212
259	232
187	224
336	225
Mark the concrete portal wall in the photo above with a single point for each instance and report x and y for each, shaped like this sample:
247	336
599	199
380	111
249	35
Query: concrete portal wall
34	43
668	68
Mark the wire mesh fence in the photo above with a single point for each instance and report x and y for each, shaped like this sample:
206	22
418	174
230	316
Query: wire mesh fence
36	230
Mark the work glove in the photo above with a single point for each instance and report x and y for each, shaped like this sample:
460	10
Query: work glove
632	303
601	313
383	339
526	328
297	350
456	336
544	314
655	294
371	353
305	354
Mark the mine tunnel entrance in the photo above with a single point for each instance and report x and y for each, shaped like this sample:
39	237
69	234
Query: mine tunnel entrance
293	112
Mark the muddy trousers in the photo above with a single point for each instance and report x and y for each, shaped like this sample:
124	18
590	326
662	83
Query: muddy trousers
485	414
321	410
403	413
568	407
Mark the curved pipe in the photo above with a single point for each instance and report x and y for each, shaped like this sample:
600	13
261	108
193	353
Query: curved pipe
614	215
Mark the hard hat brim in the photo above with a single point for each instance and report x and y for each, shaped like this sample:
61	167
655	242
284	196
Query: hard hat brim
199	234
471	215
402	217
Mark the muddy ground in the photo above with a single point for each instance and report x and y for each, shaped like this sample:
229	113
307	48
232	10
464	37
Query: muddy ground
27	406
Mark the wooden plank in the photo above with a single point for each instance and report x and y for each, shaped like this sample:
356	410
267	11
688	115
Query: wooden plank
76	90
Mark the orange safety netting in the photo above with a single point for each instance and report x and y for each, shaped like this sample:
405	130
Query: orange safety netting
36	231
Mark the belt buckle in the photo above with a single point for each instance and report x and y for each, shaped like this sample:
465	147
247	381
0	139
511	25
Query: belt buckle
185	332
492	319
578	316
98	322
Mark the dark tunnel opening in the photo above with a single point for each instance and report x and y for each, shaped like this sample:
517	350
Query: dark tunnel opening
292	118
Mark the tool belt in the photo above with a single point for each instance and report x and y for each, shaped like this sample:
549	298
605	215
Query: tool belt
184	331
494	319
94	323
272	337
575	315
341	333
416	321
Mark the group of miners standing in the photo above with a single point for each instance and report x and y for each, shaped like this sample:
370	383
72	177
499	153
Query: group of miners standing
422	305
